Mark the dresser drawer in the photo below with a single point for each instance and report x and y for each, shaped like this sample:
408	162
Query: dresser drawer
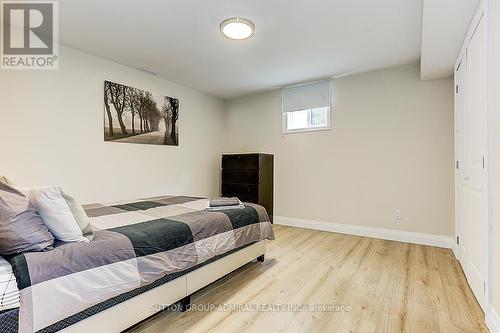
243	197
240	162
240	189
240	176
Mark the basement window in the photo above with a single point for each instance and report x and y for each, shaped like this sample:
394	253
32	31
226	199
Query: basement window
307	107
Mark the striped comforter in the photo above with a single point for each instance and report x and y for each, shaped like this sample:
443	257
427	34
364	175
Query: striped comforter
137	243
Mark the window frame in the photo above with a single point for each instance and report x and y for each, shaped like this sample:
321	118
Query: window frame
329	114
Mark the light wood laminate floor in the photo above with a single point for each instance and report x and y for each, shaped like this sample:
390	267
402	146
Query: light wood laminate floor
389	287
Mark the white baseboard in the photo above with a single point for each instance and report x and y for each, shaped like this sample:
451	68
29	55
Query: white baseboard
493	321
357	230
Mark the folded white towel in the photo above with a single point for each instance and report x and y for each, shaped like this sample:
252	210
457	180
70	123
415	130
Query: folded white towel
223	201
216	209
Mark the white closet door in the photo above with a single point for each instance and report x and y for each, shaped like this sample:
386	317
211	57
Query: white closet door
460	153
471	175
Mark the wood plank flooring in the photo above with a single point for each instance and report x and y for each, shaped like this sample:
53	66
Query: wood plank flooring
388	287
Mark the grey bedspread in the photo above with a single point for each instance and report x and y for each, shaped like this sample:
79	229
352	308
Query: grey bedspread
138	242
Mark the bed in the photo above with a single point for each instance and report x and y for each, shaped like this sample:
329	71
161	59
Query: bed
146	254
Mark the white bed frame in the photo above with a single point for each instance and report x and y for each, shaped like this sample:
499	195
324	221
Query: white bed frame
138	308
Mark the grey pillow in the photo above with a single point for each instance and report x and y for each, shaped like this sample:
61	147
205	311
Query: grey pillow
21	228
80	215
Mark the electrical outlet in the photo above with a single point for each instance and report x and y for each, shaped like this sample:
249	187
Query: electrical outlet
397	215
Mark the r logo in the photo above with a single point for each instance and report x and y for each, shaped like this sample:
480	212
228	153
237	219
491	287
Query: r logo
29	34
28	28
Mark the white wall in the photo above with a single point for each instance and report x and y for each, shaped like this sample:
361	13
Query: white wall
391	148
52	133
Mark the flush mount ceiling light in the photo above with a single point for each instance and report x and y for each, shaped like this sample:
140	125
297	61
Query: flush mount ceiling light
237	28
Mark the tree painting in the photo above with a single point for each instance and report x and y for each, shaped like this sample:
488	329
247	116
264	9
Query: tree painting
137	116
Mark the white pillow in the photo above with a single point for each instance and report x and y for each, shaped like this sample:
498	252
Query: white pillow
9	294
55	212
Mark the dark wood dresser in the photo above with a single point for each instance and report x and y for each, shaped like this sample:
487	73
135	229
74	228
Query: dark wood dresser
250	178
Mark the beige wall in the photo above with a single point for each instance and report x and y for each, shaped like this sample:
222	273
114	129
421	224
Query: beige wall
494	93
52	133
391	149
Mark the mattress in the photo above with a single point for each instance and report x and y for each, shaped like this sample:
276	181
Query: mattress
138	245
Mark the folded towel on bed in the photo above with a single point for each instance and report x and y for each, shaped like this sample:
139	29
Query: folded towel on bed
218	202
216	209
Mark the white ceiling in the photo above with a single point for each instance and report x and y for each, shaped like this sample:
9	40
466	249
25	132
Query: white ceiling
295	40
445	23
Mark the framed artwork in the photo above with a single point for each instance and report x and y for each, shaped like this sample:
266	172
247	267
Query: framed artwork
132	115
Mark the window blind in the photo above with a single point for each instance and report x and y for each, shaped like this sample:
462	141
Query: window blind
307	96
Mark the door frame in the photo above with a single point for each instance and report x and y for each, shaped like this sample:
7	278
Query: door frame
480	14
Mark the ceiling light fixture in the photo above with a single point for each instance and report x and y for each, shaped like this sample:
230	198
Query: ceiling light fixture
237	28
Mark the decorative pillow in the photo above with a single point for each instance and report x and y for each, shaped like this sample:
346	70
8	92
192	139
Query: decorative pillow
21	228
55	212
80	215
9	294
